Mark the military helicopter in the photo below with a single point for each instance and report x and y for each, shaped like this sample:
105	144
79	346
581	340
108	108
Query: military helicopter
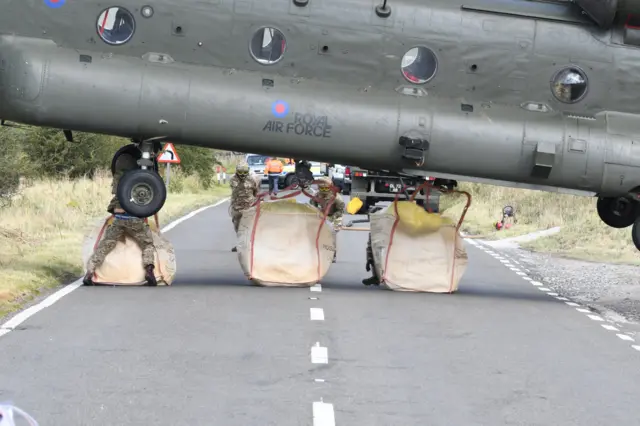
528	93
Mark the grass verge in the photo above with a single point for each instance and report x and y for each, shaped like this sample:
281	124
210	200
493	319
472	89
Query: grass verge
582	236
41	234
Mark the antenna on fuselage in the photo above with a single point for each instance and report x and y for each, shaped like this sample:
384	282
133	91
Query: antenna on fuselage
383	10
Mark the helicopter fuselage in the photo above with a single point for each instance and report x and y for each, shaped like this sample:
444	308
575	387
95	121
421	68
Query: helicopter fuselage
338	92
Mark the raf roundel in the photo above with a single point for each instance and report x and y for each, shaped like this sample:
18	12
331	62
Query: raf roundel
54	4
280	109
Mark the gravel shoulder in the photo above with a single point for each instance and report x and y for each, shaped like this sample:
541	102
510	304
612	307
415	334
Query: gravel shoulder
611	289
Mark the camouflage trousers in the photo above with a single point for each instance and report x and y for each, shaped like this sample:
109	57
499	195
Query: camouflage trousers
135	228
236	215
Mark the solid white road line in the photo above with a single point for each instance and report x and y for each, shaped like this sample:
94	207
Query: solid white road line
316	314
53	298
323	414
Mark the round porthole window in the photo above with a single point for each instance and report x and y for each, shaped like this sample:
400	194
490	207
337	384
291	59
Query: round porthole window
419	65
569	85
116	25
267	46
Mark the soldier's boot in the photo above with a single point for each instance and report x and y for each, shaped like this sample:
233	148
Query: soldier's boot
235	249
371	280
149	276
88	278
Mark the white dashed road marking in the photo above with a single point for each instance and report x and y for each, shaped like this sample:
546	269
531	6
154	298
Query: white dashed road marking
316	314
319	354
506	261
323	414
316	287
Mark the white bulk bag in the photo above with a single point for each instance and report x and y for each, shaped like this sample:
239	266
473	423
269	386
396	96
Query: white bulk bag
420	253
285	243
123	265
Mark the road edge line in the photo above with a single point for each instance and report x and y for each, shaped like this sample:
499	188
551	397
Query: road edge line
11	324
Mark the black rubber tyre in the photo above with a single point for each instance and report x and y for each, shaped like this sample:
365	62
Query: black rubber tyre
606	206
141	184
635	234
290	180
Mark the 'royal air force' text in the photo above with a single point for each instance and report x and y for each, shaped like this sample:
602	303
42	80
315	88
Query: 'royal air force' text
302	125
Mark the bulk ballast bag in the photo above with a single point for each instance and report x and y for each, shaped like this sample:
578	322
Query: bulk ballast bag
285	243
415	250
123	265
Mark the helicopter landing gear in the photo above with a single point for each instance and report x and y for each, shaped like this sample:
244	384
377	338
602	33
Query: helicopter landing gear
303	172
141	191
619	212
635	233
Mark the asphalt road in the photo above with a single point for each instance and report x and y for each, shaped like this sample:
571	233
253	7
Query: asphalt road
213	350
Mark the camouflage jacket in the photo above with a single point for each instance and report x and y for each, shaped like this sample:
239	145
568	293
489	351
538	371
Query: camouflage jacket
335	212
243	192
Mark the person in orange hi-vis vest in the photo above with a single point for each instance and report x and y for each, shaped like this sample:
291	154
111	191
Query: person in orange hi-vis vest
273	168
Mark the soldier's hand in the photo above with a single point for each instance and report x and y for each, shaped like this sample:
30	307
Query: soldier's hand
368	266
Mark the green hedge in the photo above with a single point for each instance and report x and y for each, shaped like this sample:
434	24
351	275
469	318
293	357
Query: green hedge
35	152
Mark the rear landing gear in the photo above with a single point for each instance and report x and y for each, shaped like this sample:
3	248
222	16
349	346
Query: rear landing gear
141	191
621	213
618	212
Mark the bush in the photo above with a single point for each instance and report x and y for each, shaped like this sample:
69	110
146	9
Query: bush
37	152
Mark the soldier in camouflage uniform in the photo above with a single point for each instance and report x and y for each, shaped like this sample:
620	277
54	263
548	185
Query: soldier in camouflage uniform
122	224
337	209
370	266
374	279
244	190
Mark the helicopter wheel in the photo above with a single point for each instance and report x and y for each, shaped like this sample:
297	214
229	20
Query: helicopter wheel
141	193
618	212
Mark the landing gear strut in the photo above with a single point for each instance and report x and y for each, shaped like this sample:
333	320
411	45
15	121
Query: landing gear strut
141	191
620	213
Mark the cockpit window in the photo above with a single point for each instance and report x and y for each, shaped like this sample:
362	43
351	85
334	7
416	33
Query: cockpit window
116	25
268	46
569	85
419	65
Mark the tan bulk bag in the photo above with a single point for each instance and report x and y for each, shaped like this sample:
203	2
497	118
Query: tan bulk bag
123	265
285	243
415	250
